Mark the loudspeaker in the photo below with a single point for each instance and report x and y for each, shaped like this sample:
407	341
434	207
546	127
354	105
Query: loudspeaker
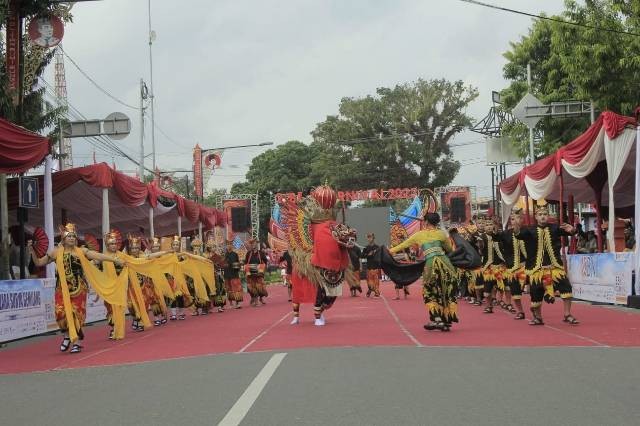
458	210
633	302
239	219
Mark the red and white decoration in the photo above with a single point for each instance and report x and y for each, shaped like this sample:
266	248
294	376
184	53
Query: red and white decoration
597	167
325	196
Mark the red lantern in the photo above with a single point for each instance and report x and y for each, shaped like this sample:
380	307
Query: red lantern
325	196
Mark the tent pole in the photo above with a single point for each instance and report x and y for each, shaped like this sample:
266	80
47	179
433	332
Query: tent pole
572	221
105	216
180	226
598	198
200	230
4	229
636	224
152	233
561	220
48	211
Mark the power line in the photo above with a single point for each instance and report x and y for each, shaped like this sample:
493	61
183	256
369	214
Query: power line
94	82
549	18
101	140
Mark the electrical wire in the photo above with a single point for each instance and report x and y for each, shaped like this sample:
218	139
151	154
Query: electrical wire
549	18
103	90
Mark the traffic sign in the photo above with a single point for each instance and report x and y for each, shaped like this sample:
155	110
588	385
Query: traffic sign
29	193
117	125
521	111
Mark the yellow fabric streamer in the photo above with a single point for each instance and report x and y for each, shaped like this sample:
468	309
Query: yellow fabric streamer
66	297
134	283
155	269
139	302
198	270
118	308
178	277
111	287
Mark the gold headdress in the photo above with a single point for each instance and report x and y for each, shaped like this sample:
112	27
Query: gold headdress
196	242
111	237
542	208
68	229
134	241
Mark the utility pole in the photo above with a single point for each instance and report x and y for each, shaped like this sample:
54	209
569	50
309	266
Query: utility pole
152	36
532	157
143	96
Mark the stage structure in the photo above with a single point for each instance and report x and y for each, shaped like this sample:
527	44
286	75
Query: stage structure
243	216
457	204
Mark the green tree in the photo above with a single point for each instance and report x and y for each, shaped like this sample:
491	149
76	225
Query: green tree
34	113
575	62
399	137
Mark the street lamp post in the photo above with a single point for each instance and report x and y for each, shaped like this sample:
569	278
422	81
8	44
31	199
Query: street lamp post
204	151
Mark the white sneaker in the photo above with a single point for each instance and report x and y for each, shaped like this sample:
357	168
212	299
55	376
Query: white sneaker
319	321
324	320
295	320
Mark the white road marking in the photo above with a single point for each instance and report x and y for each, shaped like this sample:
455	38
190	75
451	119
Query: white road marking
259	336
400	324
248	398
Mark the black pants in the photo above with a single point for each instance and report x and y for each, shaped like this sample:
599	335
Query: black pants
323	302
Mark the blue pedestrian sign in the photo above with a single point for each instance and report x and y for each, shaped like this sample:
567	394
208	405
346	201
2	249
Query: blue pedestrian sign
29	194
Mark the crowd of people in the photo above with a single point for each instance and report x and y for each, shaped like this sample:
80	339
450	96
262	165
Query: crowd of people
511	260
164	284
167	285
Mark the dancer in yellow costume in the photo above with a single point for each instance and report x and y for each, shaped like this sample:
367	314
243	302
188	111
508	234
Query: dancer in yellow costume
440	277
73	270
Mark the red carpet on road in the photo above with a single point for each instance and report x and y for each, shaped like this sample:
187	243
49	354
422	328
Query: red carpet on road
353	321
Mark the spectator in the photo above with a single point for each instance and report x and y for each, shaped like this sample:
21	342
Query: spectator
592	242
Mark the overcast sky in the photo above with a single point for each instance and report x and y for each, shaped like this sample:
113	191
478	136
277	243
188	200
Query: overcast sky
239	72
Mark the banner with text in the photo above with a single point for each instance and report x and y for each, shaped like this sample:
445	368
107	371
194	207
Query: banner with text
27	308
601	277
22	309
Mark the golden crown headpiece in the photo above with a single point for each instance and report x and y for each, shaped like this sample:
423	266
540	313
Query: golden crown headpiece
176	238
111	237
156	241
134	241
542	208
68	229
196	242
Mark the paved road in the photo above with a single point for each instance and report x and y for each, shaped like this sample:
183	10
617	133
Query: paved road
343	386
373	364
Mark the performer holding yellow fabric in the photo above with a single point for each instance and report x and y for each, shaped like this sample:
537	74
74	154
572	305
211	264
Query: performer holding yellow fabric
201	304
544	264
113	241
440	277
178	285
73	270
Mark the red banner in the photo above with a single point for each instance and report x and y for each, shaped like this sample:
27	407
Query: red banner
361	195
197	170
13	49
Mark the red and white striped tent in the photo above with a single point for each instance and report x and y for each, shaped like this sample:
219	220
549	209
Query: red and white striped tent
598	167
